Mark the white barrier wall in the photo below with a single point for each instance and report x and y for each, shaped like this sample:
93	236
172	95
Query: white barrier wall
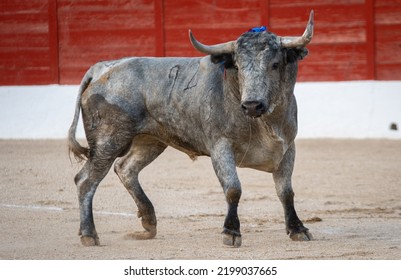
362	109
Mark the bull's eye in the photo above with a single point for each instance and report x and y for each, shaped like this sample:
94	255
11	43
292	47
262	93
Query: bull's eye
275	66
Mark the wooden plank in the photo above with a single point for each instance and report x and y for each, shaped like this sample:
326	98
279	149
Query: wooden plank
159	28
53	43
265	13
92	31
24	44
388	39
370	40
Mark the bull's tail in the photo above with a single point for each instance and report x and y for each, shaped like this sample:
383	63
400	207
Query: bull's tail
80	153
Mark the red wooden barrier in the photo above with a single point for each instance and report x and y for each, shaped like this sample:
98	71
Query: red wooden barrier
388	39
28	44
55	41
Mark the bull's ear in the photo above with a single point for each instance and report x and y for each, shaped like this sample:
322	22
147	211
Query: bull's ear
225	58
295	54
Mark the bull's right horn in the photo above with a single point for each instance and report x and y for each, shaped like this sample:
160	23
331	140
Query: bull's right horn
212	49
300	41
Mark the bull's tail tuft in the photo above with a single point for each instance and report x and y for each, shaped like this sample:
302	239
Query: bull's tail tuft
80	153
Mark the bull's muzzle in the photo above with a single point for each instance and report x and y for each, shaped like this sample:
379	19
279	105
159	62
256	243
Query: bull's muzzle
254	109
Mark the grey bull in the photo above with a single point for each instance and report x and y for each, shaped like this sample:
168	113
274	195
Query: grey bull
235	105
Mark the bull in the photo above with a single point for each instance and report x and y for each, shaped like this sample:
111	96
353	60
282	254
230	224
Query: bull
235	105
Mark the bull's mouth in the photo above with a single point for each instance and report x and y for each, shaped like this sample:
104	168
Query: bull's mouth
254	109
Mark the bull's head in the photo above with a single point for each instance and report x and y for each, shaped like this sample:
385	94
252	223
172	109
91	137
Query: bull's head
266	65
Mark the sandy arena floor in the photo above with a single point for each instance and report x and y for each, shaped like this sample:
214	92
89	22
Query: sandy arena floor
348	193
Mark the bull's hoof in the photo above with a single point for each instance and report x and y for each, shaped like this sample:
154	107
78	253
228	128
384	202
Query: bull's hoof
90	241
301	236
232	240
142	235
149	223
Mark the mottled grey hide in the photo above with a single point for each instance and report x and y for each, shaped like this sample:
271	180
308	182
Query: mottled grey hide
235	106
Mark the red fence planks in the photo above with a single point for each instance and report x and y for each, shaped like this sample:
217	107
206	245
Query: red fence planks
26	47
388	39
90	31
211	21
339	47
55	41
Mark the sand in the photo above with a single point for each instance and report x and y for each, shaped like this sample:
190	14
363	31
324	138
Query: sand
347	192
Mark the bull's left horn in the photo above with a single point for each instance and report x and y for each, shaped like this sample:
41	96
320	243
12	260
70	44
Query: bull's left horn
300	41
211	49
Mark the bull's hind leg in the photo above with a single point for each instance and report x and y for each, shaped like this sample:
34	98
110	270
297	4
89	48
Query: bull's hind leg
87	181
282	179
143	151
109	131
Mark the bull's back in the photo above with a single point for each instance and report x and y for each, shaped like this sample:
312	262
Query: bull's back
141	81
162	96
174	90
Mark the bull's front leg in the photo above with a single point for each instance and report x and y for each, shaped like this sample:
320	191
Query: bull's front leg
282	179
224	165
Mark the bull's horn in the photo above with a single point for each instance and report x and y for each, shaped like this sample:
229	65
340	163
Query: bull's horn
212	49
300	41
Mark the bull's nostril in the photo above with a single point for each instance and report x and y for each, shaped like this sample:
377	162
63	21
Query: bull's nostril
259	107
253	108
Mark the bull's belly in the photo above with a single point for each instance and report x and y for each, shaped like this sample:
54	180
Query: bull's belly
256	158
263	153
187	148
265	156
192	145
